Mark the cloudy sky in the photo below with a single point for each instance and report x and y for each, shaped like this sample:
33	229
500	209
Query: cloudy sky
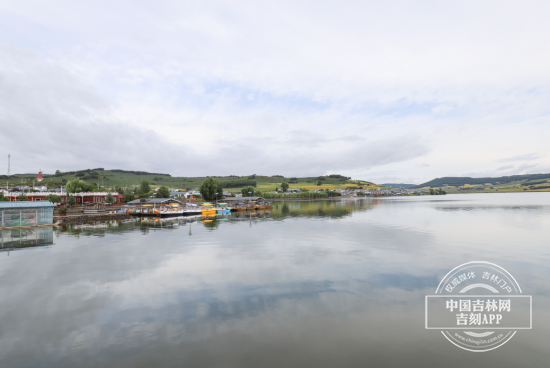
388	91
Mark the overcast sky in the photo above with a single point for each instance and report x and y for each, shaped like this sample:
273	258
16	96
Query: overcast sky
387	91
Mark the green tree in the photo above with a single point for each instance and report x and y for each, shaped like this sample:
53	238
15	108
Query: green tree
109	198
53	198
119	189
2	198
209	188
58	173
219	190
163	192
247	191
77	186
284	186
129	197
71	200
73	186
144	189
22	197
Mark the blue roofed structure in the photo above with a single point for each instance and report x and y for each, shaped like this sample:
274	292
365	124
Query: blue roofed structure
25	204
26	213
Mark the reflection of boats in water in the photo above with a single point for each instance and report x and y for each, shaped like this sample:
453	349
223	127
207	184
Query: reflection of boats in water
163	207
166	222
91	225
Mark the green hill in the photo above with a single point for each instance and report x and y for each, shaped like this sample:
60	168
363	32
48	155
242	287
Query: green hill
127	178
459	181
514	183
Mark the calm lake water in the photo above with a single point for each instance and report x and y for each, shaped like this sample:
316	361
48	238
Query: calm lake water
308	284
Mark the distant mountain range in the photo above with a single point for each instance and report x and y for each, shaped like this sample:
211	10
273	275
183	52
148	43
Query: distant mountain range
459	181
399	185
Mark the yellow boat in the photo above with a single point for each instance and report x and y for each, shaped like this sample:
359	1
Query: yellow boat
207	210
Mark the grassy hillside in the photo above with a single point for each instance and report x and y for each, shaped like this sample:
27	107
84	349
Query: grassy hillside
465	181
127	179
496	186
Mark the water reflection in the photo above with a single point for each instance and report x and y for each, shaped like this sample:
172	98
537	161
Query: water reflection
310	283
25	238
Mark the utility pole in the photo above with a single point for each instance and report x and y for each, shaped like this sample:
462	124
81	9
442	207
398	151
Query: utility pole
9	157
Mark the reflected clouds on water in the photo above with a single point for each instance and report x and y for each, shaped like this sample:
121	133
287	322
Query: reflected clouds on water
324	283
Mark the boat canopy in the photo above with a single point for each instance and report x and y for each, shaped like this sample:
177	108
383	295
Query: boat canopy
222	204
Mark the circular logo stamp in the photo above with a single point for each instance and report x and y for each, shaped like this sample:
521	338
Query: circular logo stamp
478	306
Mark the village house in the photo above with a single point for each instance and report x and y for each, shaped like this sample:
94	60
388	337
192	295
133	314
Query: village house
79	197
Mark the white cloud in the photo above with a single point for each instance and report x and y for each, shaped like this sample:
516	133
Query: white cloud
505	167
357	88
526	157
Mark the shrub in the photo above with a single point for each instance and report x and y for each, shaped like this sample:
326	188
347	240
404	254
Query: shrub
245	191
62	209
129	197
163	192
71	200
109	198
53	198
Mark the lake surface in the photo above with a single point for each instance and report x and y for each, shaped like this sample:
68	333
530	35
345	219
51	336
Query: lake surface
308	284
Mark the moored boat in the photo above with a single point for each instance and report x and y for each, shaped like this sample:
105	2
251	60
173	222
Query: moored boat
223	208
207	209
161	207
